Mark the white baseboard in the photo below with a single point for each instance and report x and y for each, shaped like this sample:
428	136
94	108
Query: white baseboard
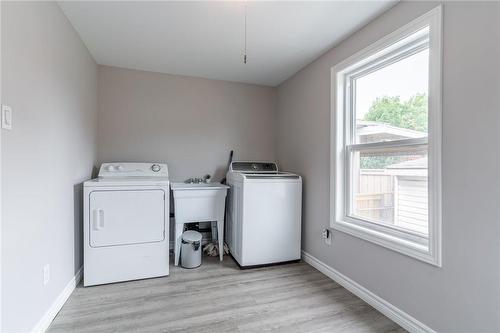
397	315
54	309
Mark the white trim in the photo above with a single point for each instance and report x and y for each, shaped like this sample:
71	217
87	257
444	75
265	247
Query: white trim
397	315
338	137
399	244
389	144
435	134
1	234
54	309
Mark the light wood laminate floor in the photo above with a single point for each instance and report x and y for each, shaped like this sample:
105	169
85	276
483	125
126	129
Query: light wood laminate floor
219	297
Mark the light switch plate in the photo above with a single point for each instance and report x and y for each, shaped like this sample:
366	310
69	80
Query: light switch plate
6	117
46	274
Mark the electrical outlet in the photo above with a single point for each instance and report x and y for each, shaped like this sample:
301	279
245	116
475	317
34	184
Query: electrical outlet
6	117
327	236
46	274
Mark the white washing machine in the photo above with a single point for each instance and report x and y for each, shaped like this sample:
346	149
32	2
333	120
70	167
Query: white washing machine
126	223
263	214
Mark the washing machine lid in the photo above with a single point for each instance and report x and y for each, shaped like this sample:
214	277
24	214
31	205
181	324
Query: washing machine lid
269	176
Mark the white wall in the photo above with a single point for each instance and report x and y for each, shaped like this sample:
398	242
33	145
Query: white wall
189	123
49	79
463	295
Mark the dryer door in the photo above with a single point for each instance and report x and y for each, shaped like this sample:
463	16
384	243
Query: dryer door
126	217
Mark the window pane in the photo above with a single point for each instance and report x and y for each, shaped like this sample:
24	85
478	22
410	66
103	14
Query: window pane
389	186
391	103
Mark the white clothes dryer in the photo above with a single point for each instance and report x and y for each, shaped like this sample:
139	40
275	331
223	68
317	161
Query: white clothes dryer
126	223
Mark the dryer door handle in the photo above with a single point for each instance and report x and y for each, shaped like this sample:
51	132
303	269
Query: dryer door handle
98	219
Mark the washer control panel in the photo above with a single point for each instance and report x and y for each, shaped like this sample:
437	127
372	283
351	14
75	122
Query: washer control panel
255	167
133	170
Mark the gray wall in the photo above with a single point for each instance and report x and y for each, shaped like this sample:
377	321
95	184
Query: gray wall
463	295
49	79
189	123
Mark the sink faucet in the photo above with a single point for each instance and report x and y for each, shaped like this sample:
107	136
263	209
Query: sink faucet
194	181
205	179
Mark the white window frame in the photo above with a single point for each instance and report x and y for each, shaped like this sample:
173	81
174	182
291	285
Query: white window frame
406	242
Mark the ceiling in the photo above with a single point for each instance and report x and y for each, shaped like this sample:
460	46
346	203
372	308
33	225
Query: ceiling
206	39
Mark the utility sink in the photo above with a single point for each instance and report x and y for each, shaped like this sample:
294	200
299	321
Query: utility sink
198	202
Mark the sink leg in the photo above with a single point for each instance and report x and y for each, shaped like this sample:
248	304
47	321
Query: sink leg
220	236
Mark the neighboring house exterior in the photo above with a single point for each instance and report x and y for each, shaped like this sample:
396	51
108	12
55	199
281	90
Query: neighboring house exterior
395	193
373	131
410	194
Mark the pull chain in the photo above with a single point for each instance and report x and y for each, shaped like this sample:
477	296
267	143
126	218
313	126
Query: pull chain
245	52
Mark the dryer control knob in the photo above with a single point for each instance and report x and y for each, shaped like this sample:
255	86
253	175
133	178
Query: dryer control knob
110	168
155	167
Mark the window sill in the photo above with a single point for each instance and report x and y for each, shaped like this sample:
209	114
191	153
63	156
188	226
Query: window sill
409	248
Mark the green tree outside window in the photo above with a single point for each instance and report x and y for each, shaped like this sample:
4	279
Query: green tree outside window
409	114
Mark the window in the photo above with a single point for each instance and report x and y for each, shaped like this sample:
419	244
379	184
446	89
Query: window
386	141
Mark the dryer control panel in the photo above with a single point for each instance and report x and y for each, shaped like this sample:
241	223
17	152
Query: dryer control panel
120	169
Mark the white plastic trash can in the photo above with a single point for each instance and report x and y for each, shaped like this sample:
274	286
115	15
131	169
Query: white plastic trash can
191	249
